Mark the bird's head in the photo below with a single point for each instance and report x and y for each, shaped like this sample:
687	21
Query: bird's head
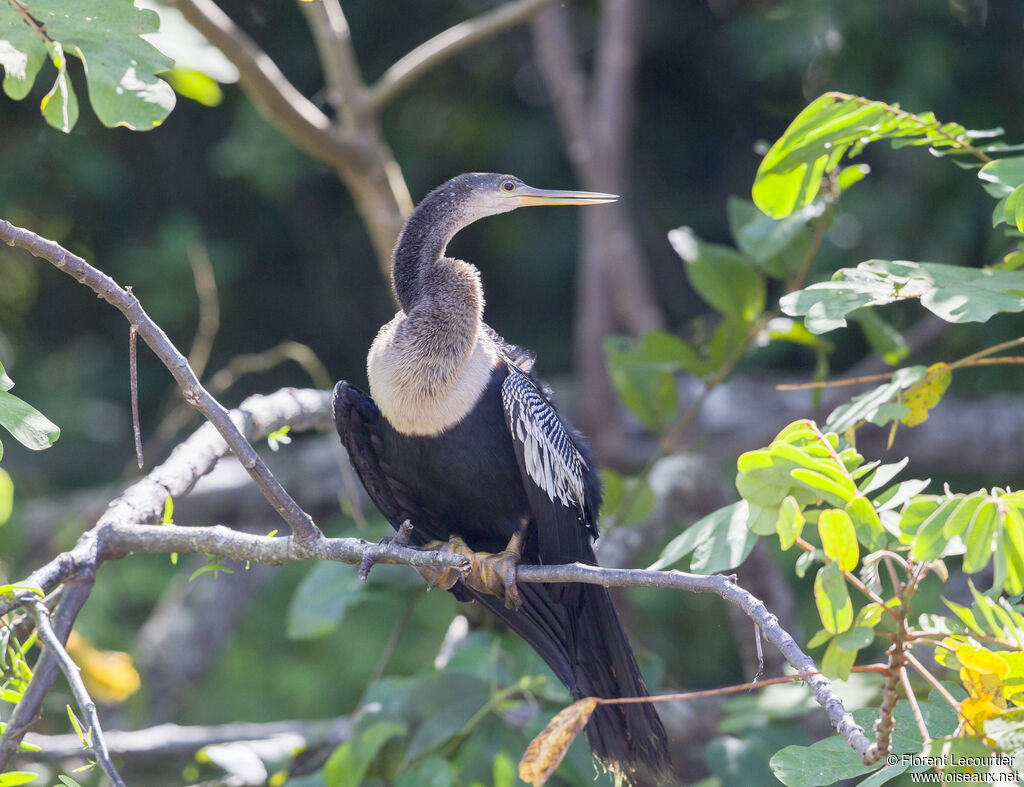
481	194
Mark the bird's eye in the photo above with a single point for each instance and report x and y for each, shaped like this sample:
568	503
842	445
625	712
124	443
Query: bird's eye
508	185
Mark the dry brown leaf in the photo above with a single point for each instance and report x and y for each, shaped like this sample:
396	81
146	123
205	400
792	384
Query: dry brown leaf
547	750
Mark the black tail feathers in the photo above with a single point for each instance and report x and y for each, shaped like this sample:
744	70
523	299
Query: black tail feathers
585	645
630	738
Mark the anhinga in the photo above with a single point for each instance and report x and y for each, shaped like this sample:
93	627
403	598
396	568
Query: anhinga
463	440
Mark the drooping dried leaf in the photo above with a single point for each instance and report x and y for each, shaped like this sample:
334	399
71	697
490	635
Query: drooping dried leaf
547	750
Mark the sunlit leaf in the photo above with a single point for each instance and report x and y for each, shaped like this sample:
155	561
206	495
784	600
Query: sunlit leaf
30	427
6	496
925	396
833	599
839	538
790	522
827	130
955	293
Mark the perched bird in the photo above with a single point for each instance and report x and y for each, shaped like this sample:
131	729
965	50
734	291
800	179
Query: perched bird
462	440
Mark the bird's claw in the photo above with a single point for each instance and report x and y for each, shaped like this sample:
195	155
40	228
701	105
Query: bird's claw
492	573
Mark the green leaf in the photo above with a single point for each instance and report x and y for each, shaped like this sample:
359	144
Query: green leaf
895	496
6	496
832	126
848	176
60	105
643	370
69	781
929	541
1003	175
722	540
837	662
770	242
833	599
431	771
1013	208
6	383
819	765
866	523
30	427
721	276
120	66
839	538
856	638
819	639
321	600
975	755
789	523
786	330
835	493
953	292
866	406
22	54
13	778
883	338
350	761
979	537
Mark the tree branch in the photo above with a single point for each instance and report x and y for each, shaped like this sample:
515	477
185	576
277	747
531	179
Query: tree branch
105	287
345	86
446	45
93	735
294	114
171	740
29	706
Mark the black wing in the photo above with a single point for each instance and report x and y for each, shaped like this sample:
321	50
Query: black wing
542	623
557	470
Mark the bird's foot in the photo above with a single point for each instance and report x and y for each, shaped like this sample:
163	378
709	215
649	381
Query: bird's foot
490	572
401	538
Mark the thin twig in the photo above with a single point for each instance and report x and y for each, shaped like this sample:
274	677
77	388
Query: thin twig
209	306
754	684
133	374
925	673
105	287
446	45
94	735
908	691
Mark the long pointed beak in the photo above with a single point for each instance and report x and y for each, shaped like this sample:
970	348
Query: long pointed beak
527	195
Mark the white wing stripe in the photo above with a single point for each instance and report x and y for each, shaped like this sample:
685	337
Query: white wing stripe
551	458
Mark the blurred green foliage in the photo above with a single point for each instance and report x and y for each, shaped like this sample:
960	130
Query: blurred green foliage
293	262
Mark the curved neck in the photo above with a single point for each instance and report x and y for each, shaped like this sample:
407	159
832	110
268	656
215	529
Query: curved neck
422	243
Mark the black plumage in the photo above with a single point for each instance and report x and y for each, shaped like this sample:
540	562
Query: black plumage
468	442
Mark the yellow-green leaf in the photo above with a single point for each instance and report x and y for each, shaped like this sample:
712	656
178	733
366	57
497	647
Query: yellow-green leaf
839	538
924	396
790	522
833	599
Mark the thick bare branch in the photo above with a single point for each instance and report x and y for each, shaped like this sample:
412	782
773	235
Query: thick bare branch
106	288
276	97
27	710
446	45
333	39
93	733
173	740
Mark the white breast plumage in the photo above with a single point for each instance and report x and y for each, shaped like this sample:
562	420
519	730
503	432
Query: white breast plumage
550	457
417	391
